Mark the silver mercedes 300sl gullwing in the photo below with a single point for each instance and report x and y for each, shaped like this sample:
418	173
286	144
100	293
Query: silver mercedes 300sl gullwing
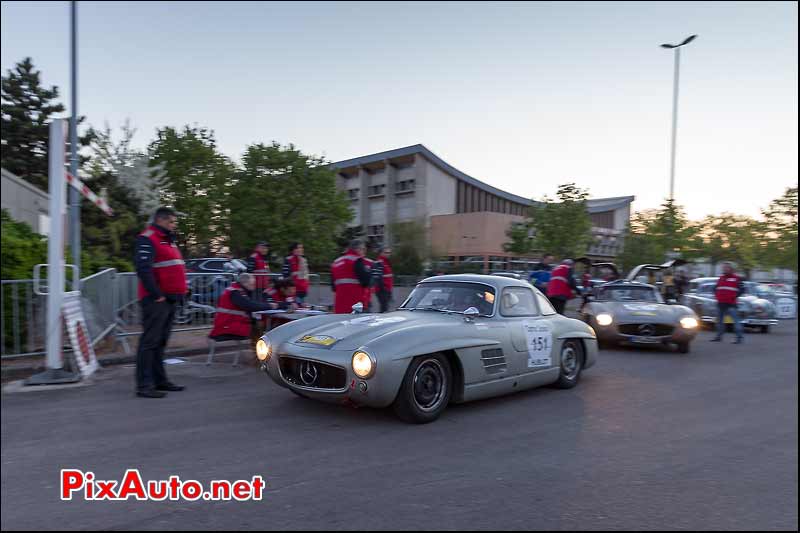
456	338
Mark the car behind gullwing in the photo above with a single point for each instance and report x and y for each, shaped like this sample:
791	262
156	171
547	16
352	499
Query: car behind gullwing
456	338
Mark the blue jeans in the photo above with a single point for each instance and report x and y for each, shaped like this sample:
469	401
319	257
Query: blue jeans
728	309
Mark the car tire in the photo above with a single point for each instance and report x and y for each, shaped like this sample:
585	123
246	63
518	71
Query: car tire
570	364
426	389
764	329
684	347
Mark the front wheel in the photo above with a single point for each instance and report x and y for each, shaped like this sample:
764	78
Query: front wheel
683	347
571	364
426	389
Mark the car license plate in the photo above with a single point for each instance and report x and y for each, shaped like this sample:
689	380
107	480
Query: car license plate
645	340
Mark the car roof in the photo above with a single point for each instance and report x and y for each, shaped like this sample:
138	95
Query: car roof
498	282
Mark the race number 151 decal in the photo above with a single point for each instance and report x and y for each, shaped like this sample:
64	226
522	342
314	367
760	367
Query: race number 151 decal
539	339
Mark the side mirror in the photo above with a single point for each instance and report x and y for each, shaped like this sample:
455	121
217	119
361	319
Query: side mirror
358	308
471	314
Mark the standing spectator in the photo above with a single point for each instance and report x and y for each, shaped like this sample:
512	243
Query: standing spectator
162	285
258	264
349	277
295	267
541	274
382	277
562	286
729	287
366	298
681	283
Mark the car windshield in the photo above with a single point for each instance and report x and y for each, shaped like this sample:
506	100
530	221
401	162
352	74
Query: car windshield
629	294
451	296
707	288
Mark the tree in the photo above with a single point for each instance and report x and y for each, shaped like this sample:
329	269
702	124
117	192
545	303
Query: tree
196	184
409	248
780	226
562	228
22	249
133	169
283	195
655	235
27	108
734	238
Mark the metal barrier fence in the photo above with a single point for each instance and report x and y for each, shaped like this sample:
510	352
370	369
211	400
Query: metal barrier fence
23	314
110	304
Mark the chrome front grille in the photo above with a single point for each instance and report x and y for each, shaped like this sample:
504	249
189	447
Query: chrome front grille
312	374
494	362
646	330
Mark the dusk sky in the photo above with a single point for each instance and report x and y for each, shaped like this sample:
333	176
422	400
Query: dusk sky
523	96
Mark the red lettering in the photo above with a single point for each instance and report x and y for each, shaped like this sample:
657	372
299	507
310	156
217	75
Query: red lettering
71	480
157	490
241	490
218	487
106	490
192	490
258	486
132	486
174	486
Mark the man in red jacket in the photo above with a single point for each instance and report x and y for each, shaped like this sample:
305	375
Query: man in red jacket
232	320
729	288
562	286
295	268
162	285
349	278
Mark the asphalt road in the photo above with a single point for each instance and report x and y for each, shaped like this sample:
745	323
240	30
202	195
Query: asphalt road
649	440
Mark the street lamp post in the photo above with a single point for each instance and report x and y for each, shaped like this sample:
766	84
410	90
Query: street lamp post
677	48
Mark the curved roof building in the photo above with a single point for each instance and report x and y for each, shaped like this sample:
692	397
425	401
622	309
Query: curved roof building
465	218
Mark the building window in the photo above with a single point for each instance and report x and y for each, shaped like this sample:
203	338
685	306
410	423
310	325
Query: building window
375	231
353	193
376	190
405	185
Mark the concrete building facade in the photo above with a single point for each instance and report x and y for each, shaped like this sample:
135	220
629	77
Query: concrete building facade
465	219
25	202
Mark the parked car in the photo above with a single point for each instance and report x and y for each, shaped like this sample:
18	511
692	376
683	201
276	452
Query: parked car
456	338
634	312
784	300
754	310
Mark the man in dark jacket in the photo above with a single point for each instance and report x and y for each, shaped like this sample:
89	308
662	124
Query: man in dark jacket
162	285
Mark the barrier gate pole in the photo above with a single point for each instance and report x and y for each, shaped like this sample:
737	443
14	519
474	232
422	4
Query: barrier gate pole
55	373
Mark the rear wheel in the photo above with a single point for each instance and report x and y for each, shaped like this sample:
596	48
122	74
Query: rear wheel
426	389
764	329
571	364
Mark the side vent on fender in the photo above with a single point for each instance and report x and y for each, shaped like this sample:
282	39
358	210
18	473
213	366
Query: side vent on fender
494	362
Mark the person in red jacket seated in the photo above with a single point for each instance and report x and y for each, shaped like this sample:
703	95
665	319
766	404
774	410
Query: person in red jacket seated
233	320
729	288
284	294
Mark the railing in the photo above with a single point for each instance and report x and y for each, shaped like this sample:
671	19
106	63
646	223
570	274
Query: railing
23	314
110	305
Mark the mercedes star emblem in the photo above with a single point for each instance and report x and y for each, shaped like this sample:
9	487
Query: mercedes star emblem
647	330
308	373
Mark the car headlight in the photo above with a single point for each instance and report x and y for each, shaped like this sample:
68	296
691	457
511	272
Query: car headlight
604	319
363	365
689	322
263	350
